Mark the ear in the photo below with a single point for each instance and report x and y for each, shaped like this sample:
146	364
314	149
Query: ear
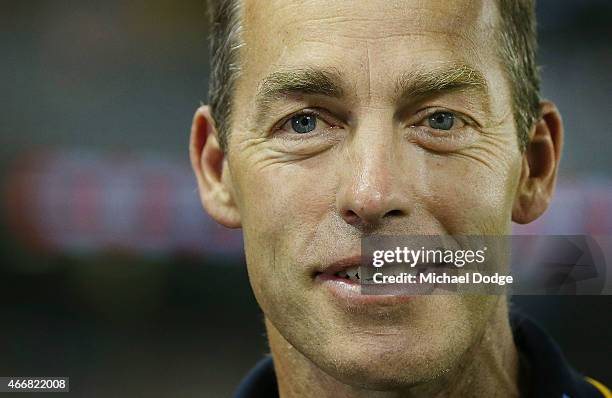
539	166
209	164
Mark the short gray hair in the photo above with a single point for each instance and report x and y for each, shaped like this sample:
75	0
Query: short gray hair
225	41
516	35
518	40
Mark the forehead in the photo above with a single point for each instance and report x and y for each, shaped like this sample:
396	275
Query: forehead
371	41
369	19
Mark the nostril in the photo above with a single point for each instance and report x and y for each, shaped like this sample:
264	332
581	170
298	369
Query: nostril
354	218
351	217
394	213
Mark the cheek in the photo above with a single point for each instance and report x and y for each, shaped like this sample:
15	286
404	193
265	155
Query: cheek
283	207
285	199
469	197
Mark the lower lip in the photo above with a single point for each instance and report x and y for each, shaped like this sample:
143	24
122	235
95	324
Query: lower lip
350	292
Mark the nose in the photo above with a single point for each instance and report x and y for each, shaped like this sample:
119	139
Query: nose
371	192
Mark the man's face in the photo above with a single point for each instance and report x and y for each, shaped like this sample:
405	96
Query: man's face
408	130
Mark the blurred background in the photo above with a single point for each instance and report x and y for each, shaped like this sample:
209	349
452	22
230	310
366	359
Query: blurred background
111	273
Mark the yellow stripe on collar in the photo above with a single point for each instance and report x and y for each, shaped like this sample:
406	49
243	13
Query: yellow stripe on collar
604	390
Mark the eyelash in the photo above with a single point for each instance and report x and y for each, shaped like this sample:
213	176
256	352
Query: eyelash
422	116
308	111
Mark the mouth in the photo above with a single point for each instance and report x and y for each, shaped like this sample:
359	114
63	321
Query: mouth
349	276
345	271
342	280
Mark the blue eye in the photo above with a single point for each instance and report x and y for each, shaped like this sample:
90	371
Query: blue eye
442	120
303	123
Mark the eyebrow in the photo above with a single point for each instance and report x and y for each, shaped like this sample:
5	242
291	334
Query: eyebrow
421	82
417	83
294	82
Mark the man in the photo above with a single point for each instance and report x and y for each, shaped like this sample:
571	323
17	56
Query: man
332	121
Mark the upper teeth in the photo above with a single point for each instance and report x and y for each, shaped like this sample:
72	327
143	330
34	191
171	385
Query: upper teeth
349	273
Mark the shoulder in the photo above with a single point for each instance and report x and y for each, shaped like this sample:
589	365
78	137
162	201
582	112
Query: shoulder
548	371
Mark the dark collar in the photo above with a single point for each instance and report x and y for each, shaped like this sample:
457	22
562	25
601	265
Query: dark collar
547	372
544	370
260	382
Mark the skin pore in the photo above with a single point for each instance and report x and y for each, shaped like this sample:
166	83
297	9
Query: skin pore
376	84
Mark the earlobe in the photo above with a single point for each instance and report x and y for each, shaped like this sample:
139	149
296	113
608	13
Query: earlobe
539	166
210	167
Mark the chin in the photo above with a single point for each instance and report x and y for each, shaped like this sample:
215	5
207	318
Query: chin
388	366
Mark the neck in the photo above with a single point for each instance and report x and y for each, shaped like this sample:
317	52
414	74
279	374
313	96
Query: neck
488	368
